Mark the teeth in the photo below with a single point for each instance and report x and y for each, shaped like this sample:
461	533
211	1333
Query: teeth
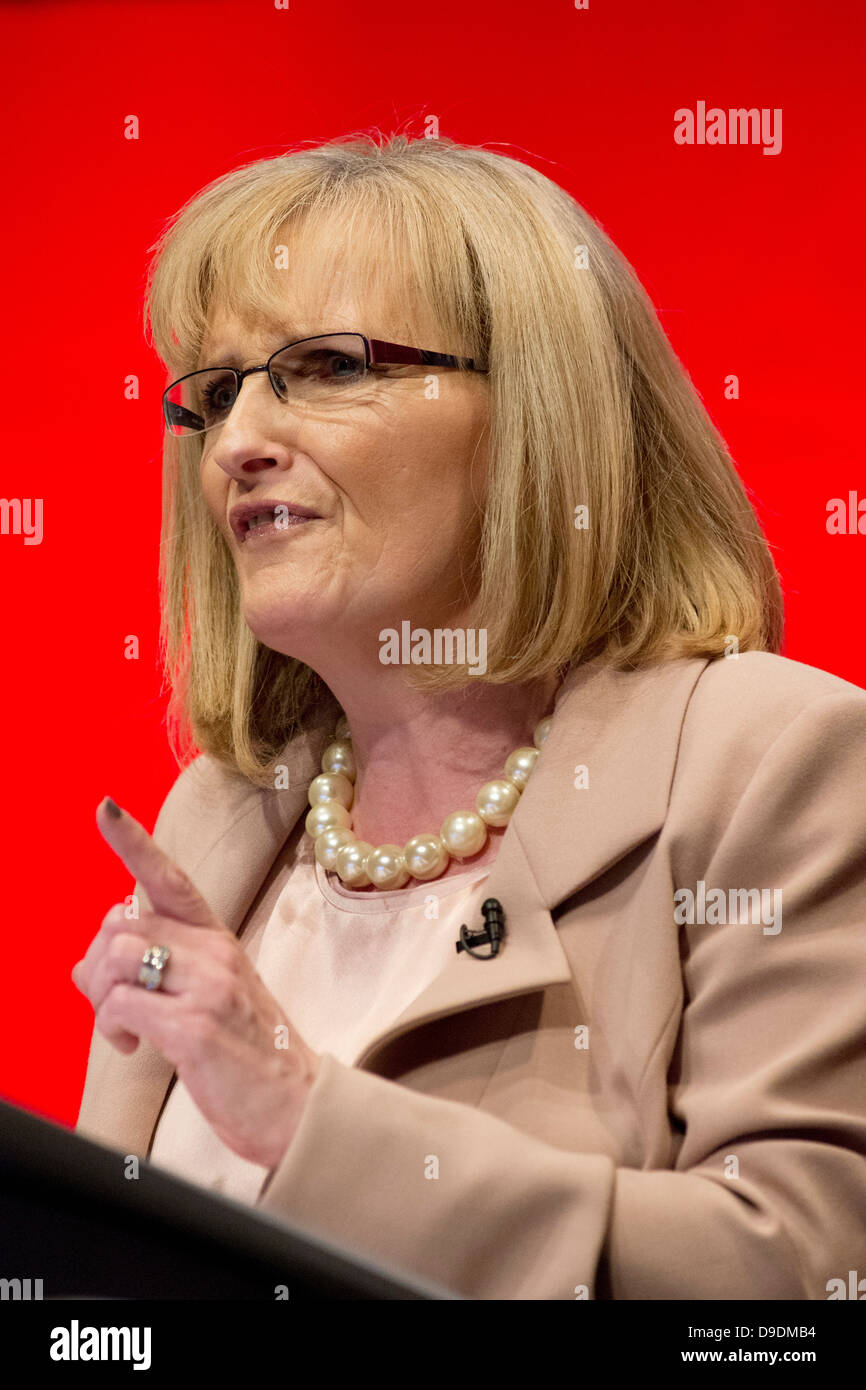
260	518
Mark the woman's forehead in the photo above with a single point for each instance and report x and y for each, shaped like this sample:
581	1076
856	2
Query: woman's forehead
326	271
230	333
305	310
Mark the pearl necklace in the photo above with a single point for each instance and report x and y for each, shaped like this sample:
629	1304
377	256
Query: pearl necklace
463	833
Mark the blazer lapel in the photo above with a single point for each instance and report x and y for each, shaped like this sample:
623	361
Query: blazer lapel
231	868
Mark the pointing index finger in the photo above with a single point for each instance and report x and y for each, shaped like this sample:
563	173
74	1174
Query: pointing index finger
169	889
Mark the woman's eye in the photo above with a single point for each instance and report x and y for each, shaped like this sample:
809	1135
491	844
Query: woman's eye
348	366
324	364
336	365
218	397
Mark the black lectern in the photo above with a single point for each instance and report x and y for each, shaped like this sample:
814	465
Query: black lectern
70	1219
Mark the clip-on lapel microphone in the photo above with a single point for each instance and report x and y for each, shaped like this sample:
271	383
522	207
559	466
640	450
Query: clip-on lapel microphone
491	934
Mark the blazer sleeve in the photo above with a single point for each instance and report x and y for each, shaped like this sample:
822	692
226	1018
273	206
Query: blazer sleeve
766	1195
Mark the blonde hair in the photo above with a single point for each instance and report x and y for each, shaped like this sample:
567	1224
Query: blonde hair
589	407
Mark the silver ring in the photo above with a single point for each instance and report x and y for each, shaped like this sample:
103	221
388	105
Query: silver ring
153	963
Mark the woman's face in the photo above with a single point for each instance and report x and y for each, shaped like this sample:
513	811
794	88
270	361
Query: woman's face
396	474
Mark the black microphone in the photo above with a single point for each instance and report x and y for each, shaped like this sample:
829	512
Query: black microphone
491	934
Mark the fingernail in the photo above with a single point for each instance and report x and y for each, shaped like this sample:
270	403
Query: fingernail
112	808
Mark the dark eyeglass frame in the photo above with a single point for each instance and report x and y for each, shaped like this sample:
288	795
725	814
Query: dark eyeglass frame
376	354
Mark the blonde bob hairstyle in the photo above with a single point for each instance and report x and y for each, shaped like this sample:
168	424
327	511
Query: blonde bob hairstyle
589	407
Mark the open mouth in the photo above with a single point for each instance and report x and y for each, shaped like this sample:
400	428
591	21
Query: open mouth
271	521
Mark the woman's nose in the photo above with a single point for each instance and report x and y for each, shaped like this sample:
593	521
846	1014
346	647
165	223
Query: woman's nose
255	434
246	468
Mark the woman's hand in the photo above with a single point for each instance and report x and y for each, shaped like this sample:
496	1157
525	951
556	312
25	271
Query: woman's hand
246	1068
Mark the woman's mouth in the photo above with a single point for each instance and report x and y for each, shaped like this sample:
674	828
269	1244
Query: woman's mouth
268	521
269	526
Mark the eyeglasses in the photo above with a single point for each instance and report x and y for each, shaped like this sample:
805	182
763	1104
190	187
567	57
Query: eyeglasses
312	370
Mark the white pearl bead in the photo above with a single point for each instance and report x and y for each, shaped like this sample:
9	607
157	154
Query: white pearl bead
425	856
463	833
520	764
497	801
329	842
342	729
338	757
541	731
331	786
326	815
386	867
350	863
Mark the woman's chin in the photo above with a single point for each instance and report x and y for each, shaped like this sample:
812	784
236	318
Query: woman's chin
283	630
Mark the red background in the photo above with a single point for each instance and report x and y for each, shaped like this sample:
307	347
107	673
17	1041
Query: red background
756	261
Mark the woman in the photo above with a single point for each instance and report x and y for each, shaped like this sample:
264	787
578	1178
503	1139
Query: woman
540	974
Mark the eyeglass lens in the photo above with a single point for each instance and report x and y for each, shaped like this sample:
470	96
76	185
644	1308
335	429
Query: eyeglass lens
309	371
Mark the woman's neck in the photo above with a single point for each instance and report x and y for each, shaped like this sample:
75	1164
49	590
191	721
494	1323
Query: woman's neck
420	756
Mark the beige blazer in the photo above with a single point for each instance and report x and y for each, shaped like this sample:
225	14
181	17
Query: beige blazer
622	1104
